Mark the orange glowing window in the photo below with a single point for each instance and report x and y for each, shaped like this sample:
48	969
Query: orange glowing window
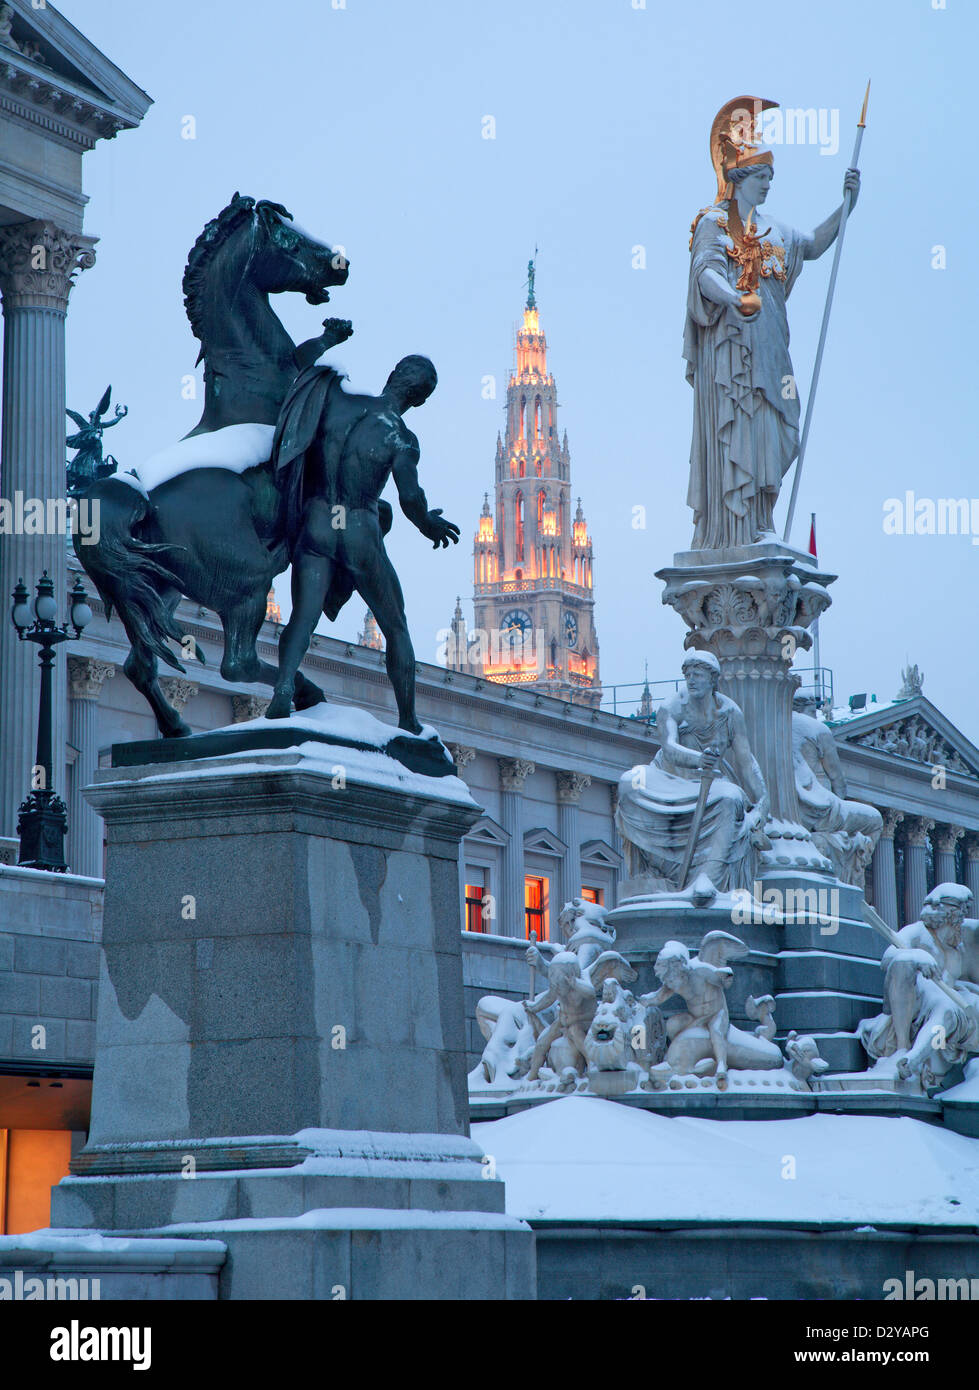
477	901
31	1162
536	907
594	895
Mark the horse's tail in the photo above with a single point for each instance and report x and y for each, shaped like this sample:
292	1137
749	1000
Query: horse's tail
126	571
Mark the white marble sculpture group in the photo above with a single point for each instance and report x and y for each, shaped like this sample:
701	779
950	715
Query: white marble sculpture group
588	1032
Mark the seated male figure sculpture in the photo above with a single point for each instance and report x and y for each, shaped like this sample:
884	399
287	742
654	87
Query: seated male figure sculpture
703	732
845	831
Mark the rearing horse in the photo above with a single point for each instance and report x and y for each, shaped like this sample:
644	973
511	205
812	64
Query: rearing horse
205	519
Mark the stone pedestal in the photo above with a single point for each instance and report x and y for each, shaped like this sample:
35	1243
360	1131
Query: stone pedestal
751	607
280	1055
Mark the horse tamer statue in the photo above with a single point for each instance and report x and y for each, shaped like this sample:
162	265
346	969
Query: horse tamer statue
215	520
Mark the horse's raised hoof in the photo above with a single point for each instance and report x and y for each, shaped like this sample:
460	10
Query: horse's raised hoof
280	707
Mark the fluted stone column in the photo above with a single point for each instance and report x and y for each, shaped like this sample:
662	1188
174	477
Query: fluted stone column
37	264
915	865
86	676
972	870
570	785
513	773
884	869
946	837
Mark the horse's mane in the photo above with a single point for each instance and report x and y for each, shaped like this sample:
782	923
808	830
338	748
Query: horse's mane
214	235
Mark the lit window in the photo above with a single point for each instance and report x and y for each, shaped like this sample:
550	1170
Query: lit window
594	895
477	916
535	907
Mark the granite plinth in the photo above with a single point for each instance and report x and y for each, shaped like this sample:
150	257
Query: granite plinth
280	1051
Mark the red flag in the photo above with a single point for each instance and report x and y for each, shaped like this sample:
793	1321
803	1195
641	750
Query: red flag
812	536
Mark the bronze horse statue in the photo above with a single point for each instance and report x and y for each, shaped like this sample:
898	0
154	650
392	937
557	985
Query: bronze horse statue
213	528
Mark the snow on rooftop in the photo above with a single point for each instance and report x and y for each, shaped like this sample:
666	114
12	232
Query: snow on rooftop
581	1158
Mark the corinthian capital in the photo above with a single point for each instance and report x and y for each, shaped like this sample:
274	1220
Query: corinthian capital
38	264
178	691
514	772
892	820
570	785
947	836
916	830
86	676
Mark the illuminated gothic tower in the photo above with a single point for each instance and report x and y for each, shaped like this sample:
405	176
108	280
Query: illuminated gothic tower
534	604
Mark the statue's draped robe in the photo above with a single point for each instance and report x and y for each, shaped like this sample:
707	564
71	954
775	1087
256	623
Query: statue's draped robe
655	810
746	414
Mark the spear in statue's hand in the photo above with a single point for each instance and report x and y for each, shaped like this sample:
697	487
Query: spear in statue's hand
844	214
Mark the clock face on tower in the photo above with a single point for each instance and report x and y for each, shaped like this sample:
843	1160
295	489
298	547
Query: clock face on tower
571	629
516	624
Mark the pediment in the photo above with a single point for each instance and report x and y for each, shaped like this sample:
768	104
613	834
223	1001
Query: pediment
543	841
911	731
487	832
52	75
597	852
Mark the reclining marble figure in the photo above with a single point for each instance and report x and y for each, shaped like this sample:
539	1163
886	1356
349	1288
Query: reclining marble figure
703	736
927	1029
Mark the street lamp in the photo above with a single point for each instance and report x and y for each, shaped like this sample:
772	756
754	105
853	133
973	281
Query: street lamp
42	819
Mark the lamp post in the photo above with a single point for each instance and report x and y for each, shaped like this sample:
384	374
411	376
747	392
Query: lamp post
42	819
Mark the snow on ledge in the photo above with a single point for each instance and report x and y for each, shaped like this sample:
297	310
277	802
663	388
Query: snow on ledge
587	1159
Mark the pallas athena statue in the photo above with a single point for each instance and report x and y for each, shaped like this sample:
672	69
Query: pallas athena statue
743	265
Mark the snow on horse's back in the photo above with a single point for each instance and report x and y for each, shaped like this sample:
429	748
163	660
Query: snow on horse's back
235	447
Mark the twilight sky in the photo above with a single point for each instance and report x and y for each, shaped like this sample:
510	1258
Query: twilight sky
367	122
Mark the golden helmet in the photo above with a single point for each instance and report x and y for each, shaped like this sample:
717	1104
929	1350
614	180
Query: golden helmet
734	139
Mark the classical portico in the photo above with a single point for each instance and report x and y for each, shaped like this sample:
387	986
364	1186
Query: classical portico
59	95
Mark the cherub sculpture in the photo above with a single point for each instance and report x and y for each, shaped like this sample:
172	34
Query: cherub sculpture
573	988
931	1008
703	1040
522	1035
